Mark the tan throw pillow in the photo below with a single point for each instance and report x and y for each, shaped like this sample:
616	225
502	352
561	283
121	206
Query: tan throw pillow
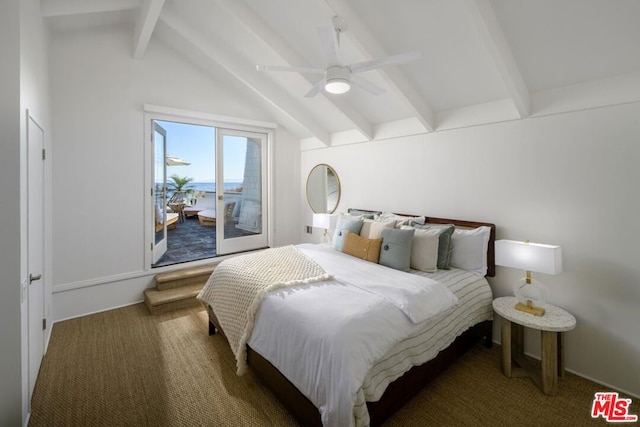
361	247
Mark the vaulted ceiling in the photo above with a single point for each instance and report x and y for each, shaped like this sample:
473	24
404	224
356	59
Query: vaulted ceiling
481	61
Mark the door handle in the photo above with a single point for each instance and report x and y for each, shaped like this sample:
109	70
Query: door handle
33	278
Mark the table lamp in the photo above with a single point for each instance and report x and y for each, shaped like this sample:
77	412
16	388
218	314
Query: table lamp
325	221
530	257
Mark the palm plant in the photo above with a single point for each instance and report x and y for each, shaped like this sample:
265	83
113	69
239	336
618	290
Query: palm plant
179	186
180	183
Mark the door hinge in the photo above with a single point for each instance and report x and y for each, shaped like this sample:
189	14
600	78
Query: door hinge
151	246
44	154
151	191
44	324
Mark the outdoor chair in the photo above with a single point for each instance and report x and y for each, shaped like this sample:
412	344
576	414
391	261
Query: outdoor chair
172	219
207	217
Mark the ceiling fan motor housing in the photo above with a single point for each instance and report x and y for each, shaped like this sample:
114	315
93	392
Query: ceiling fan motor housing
337	79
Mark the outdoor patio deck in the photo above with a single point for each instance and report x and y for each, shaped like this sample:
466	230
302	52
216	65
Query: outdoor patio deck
190	241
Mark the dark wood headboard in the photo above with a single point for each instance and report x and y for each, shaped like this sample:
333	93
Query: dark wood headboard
491	254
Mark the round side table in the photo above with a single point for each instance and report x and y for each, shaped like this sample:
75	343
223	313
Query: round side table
551	325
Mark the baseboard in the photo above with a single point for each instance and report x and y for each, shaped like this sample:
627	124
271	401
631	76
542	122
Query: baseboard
97	311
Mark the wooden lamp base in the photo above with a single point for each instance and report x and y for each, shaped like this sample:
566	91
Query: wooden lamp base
530	308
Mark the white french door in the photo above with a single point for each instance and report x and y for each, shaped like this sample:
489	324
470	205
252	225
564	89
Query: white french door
242	220
159	193
228	172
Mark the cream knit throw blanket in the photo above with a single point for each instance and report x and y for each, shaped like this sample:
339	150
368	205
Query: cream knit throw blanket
238	285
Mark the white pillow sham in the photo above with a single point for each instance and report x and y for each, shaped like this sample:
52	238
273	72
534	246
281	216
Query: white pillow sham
424	249
400	220
469	249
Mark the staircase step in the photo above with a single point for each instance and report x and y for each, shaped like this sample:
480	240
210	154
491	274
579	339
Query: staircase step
184	277
172	299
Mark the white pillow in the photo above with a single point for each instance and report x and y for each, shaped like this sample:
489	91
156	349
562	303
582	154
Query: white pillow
373	229
400	220
469	249
159	217
424	249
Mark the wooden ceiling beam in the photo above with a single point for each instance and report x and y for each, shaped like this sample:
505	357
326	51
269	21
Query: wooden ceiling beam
146	22
252	23
371	49
484	18
289	111
53	8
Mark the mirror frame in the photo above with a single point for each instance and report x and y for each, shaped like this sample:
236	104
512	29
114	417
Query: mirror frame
329	211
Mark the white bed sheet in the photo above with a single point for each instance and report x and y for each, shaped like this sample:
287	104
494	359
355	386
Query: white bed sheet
474	296
304	331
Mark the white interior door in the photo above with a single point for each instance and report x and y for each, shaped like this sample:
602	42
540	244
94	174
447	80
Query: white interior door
35	236
241	191
159	193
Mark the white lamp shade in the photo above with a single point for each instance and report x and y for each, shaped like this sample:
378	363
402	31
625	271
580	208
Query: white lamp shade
326	221
536	257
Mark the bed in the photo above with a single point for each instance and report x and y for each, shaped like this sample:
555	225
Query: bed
405	366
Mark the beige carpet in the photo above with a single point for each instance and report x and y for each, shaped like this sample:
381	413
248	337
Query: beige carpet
126	367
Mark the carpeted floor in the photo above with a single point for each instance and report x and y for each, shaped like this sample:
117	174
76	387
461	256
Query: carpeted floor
127	368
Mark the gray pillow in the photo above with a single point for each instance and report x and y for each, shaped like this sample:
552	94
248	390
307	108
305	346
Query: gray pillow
363	214
396	248
444	242
343	227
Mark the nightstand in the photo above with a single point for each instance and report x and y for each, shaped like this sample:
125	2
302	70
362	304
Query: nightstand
551	325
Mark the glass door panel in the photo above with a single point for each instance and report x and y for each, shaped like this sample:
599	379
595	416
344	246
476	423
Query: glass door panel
241	191
159	210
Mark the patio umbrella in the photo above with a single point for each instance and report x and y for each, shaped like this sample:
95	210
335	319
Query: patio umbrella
176	161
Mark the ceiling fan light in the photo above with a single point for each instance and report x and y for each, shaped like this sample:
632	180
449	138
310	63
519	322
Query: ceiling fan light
337	86
337	79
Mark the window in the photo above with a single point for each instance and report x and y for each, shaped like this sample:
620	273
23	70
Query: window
208	186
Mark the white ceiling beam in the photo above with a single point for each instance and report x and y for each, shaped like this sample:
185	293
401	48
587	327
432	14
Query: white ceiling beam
251	22
371	49
52	8
491	35
286	108
147	20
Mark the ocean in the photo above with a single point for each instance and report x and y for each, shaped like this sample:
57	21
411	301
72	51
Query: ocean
211	186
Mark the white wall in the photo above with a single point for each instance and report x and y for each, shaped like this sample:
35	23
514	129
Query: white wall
24	85
10	260
98	93
568	179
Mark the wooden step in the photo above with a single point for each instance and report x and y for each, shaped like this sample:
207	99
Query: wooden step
184	277
172	299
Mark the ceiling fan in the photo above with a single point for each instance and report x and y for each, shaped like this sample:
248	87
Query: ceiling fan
338	78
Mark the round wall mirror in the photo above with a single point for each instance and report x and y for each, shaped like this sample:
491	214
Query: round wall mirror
323	189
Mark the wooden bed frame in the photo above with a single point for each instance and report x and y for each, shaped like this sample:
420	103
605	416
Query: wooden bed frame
400	391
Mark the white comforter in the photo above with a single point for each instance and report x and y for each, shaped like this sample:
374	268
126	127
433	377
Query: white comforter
325	337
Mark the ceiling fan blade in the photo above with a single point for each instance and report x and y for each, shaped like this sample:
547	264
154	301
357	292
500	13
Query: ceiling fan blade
306	70
367	85
330	44
315	89
383	62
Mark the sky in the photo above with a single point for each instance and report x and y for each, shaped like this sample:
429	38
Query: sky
196	144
